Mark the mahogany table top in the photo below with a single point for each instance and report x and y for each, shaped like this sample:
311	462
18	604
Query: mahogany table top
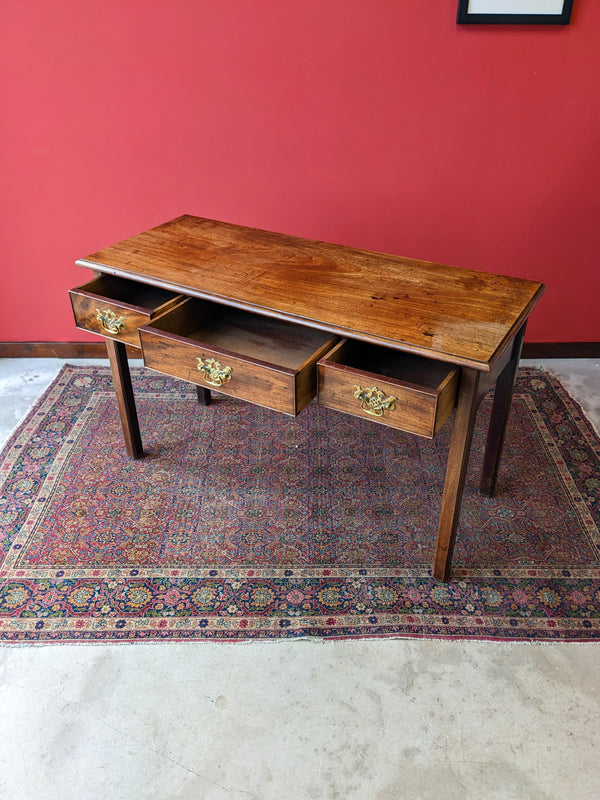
447	313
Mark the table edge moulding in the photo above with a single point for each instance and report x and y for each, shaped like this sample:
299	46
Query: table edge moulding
278	320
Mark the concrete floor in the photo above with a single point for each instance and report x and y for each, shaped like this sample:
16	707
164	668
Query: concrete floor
360	720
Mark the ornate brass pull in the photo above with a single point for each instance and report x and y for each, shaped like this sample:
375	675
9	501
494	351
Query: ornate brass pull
213	371
110	322
374	401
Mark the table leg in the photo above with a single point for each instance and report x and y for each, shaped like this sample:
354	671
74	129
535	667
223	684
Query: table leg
204	397
117	355
499	419
458	459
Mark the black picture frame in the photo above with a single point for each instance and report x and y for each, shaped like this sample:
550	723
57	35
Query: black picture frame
466	17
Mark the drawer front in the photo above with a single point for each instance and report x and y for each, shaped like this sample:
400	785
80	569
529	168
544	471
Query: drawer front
98	307
400	403
265	361
220	370
108	318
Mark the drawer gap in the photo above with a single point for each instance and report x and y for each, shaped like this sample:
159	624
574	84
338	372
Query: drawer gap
412	370
267	339
130	293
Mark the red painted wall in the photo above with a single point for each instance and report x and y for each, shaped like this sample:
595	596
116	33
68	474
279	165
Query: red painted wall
376	123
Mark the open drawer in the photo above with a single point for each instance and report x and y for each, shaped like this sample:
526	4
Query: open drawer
117	307
398	389
266	361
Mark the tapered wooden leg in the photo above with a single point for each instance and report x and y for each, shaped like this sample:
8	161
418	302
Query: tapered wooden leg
204	396
119	365
458	459
499	419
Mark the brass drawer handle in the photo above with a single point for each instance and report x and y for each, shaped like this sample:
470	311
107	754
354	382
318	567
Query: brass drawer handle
213	371
374	401
110	322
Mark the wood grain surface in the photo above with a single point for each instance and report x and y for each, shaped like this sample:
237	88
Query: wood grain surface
451	314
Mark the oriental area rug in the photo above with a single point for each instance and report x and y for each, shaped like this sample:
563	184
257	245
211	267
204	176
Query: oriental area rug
240	523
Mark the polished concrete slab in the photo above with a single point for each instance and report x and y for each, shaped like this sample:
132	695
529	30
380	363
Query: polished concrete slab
369	720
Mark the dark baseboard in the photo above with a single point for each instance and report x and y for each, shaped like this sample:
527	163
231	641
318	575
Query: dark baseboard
98	350
59	350
561	350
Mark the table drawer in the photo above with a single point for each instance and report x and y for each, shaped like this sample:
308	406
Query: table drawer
265	361
387	386
116	307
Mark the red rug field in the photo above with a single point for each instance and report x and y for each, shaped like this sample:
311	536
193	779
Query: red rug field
242	523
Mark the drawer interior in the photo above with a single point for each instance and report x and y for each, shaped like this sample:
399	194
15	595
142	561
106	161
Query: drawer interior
422	373
128	292
267	339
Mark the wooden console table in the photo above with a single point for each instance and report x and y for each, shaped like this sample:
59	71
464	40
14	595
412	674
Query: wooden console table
277	320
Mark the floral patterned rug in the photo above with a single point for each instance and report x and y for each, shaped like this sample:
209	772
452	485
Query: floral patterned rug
242	523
